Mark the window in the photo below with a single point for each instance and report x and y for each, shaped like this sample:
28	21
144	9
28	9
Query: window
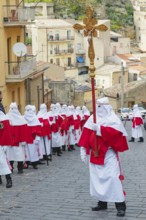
9	48
19	95
69	61
50	35
18	38
56	50
58	61
135	77
13	96
68	34
57	35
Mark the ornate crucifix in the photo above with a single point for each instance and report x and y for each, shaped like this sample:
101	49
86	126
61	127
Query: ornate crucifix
90	28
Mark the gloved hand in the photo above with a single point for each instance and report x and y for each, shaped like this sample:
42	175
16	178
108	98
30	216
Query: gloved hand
84	156
96	127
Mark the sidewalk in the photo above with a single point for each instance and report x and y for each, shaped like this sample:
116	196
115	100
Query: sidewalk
60	191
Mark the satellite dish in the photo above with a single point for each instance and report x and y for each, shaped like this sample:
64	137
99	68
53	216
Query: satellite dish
19	49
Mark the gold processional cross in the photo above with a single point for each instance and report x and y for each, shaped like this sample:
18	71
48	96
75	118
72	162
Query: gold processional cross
90	29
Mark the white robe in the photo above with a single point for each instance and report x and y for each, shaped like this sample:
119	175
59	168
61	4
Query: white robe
56	139
45	146
4	166
16	153
137	132
72	139
105	184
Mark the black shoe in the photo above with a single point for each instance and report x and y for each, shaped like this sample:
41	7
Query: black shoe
9	183
98	208
35	167
63	148
132	140
141	139
41	163
72	147
20	171
1	182
120	213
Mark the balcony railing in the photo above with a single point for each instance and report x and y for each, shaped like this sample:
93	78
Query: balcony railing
80	64
14	15
18	71
57	39
61	52
80	52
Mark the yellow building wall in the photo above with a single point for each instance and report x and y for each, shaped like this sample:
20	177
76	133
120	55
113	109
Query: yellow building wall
117	75
15	93
1	48
12	92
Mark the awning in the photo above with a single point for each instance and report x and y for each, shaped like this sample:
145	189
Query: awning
80	60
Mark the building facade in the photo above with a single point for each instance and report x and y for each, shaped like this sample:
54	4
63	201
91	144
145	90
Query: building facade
16	68
140	23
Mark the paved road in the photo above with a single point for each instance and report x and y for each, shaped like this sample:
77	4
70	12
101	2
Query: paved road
61	190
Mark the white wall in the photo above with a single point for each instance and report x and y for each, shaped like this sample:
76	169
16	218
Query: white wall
120	47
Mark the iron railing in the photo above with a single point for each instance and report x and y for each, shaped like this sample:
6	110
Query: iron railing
17	14
61	52
21	69
60	38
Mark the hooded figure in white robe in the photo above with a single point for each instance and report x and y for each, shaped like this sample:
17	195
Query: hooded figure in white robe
137	123
45	139
34	126
21	136
100	143
5	143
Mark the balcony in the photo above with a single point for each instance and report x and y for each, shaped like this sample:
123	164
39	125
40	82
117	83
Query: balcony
78	65
63	52
54	39
14	16
19	71
80	52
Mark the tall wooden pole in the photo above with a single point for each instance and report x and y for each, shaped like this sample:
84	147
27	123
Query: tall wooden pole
90	28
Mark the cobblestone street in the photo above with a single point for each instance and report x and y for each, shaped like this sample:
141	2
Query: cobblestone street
60	191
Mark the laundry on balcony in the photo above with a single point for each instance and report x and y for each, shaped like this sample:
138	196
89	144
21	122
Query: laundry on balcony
80	60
